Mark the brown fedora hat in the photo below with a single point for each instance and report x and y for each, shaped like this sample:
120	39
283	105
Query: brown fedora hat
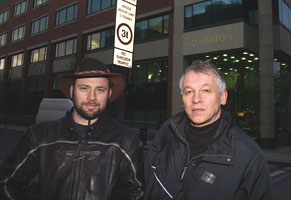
88	68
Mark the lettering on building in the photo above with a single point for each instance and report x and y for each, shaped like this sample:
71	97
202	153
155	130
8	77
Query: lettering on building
211	39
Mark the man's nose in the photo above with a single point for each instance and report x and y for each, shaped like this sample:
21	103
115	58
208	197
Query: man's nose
196	98
92	95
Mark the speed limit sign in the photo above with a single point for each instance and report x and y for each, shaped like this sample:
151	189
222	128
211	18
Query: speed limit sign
124	34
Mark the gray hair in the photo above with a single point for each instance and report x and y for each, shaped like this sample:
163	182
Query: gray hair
204	67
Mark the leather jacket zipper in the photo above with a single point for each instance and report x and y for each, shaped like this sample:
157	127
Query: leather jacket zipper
188	154
76	170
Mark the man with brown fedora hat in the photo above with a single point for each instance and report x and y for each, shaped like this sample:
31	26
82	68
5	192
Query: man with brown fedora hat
84	155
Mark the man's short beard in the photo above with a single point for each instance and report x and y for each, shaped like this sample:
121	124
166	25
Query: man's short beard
85	114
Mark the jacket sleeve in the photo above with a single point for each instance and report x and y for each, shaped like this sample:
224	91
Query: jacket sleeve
257	183
132	171
18	170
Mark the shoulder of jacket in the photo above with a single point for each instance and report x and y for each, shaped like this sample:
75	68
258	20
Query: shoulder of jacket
48	125
246	144
108	121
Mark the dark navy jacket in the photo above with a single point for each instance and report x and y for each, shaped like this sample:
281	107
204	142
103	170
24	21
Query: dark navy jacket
231	168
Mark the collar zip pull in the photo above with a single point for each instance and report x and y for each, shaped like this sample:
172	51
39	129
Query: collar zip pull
183	173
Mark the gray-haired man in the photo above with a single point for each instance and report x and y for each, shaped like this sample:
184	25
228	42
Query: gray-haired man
199	153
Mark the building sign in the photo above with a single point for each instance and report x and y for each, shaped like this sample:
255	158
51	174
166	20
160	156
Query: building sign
211	39
124	33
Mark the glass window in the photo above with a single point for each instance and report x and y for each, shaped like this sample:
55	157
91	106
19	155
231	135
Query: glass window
253	16
20	8
17	60
207	12
188	17
166	24
102	39
107	38
141	30
70	13
37	3
152	28
60	49
98	5
38	55
221	10
66	48
93	6
69	47
284	14
155	27
3	37
66	15
43	24
35	27
202	13
147	92
18	33
93	41
4	16
105	4
2	63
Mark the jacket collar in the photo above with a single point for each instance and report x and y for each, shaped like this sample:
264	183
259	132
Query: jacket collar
223	142
69	123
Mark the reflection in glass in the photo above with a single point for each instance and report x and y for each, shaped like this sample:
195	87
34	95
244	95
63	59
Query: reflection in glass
2	63
155	27
147	92
141	30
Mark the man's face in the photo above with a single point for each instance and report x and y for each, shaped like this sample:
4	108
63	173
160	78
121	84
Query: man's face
201	98
90	96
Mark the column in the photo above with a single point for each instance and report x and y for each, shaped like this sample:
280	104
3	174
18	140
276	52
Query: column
267	108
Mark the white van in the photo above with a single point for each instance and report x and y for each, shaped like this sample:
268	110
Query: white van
53	108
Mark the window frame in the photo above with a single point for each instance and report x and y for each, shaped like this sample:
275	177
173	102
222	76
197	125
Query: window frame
19	7
39	20
18	64
1	39
213	13
4	15
105	41
18	29
35	3
64	13
57	47
2	64
38	51
99	6
146	32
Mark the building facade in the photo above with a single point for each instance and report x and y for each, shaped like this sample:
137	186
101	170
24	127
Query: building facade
249	40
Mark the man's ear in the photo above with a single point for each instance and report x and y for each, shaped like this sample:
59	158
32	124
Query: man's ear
110	92
71	91
223	97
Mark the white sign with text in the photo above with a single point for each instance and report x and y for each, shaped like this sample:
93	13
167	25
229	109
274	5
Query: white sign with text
124	32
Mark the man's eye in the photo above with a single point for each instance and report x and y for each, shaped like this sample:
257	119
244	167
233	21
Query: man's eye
84	89
205	90
100	91
187	92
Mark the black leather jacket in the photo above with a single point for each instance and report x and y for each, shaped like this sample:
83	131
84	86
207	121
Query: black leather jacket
231	168
107	164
